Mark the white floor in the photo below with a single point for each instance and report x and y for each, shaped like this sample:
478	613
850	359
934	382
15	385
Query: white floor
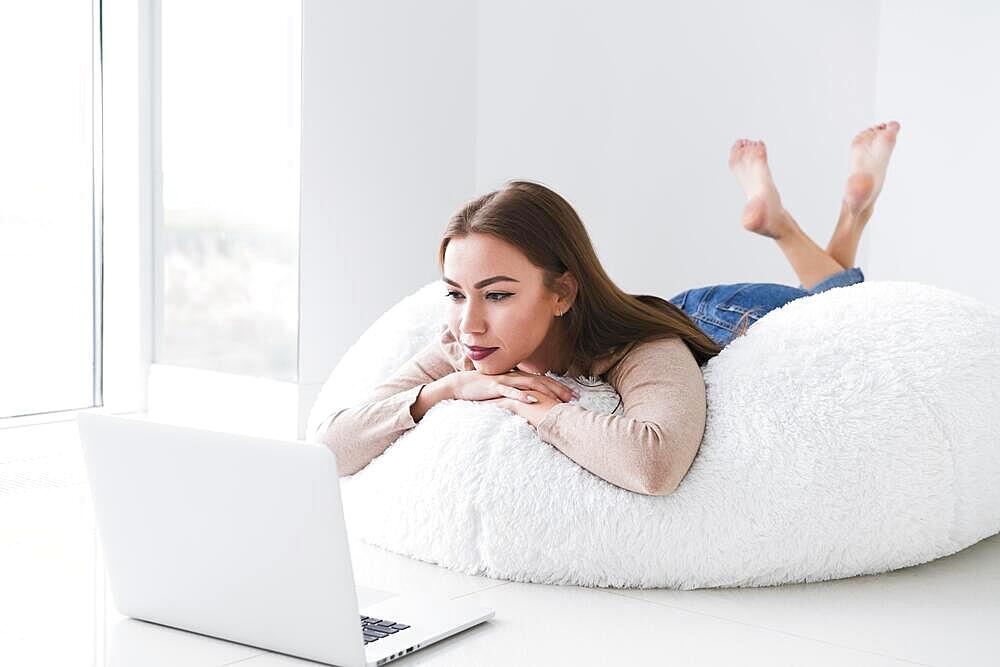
56	607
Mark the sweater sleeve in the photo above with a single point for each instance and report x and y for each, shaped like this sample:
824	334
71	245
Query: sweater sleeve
360	433
650	446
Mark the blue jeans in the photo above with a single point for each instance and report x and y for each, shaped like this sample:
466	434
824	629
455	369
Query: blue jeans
722	311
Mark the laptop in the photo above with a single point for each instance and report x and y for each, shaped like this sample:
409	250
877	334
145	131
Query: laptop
243	538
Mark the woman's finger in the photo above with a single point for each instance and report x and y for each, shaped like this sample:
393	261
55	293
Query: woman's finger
541	383
563	392
515	393
553	388
524	383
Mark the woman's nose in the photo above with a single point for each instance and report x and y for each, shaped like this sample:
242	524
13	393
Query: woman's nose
471	322
470	327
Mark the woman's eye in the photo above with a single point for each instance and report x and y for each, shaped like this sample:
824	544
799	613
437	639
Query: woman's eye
454	296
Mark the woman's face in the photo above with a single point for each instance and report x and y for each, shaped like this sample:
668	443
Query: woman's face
516	314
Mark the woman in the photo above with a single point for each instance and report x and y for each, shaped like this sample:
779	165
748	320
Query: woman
527	295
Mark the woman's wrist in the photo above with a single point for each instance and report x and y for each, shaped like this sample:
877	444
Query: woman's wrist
446	386
432	393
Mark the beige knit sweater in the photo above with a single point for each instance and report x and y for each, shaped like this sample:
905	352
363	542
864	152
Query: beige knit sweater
648	448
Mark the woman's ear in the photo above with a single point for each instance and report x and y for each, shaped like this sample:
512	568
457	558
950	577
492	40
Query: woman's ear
567	289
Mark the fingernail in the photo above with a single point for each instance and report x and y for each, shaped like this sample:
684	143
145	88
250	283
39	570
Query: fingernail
532	399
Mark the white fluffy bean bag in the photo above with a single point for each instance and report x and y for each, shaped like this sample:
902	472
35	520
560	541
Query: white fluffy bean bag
850	432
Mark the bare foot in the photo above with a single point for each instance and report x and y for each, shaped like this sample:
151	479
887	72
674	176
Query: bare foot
763	213
870	151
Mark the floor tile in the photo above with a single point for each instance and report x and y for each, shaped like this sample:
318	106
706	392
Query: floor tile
134	643
377	568
568	625
944	612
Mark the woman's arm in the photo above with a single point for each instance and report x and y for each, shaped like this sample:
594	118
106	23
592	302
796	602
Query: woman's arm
358	434
432	394
650	447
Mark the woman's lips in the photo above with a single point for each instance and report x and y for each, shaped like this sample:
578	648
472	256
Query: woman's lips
481	353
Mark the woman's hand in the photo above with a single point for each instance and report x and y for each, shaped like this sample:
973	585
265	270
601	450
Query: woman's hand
533	412
525	394
515	385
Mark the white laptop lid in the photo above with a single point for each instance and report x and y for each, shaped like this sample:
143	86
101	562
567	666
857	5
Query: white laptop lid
234	536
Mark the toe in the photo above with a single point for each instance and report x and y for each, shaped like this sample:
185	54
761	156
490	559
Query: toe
735	154
888	131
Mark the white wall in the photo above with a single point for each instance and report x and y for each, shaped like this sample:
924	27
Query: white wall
387	155
629	109
937	74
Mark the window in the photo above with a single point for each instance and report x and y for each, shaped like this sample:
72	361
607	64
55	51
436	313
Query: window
50	227
229	149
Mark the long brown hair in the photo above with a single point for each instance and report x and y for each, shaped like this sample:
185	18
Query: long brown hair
548	231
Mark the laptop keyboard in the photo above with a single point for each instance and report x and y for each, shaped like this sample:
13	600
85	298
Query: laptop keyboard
374	629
